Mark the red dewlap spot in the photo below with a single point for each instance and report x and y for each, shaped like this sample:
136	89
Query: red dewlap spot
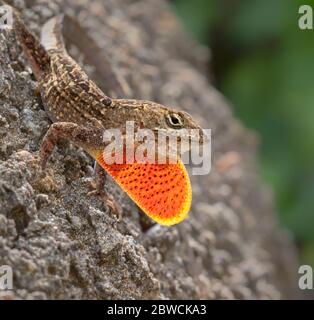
162	191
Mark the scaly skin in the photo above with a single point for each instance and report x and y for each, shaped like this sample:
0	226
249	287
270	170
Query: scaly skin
81	111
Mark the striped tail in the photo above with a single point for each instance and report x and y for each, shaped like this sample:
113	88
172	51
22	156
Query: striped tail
37	56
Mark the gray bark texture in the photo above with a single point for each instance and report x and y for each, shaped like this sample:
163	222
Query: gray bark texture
63	244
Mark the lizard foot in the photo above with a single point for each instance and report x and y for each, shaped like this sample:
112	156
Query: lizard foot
109	201
99	185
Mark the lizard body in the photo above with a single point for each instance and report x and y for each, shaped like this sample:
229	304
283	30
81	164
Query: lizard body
81	111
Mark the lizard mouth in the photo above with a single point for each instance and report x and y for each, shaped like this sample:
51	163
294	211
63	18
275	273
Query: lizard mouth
170	145
179	143
196	136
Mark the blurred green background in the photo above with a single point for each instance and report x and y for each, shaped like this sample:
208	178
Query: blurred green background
264	64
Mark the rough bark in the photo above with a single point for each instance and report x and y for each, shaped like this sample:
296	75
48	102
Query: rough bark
63	244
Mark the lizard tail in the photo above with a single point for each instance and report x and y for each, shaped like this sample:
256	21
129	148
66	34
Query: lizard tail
51	34
36	54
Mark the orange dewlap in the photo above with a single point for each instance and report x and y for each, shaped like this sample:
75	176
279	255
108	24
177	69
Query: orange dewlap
162	191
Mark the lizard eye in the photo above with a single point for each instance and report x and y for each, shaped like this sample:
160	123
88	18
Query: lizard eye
174	120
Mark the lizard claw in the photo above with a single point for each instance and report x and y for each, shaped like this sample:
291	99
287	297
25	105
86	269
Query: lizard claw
115	207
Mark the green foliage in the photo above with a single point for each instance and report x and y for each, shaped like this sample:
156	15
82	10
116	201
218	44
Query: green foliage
270	81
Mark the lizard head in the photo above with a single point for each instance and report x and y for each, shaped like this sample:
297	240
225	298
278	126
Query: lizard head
173	130
181	130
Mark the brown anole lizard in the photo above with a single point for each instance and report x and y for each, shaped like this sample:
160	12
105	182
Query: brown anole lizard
80	113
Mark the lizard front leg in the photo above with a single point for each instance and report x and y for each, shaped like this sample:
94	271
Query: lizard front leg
90	139
100	179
